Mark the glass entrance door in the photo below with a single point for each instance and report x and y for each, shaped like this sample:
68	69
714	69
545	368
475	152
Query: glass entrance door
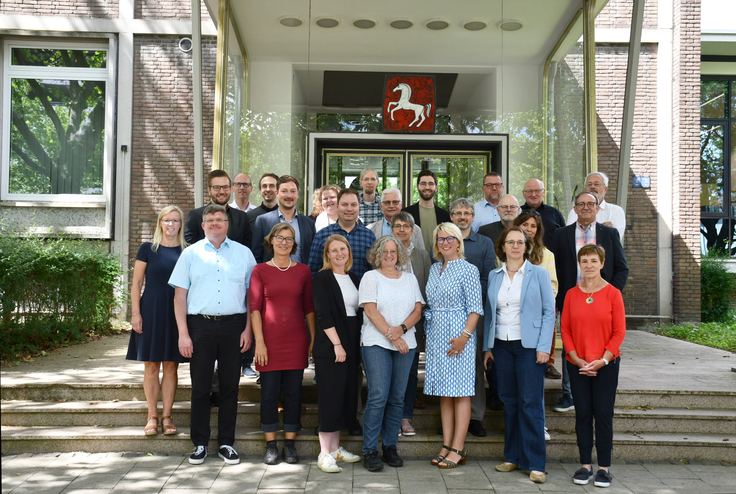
458	175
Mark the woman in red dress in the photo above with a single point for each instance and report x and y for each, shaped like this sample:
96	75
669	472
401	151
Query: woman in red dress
282	311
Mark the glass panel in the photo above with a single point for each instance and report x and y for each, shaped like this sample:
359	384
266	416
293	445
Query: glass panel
344	169
712	99
233	152
711	168
57	136
457	176
44	57
733	169
733	99
713	235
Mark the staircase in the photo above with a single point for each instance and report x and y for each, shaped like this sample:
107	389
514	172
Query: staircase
653	425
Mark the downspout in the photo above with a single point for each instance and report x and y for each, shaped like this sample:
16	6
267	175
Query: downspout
197	103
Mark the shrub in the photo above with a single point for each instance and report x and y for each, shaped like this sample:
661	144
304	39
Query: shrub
54	292
717	287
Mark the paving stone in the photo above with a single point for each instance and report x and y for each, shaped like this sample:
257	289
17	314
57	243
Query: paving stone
375	481
373	490
74	490
423	487
138	486
672	471
97	481
329	487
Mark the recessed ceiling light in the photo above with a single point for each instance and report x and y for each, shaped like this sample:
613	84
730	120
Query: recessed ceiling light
364	23
290	21
327	22
475	25
437	24
401	24
511	25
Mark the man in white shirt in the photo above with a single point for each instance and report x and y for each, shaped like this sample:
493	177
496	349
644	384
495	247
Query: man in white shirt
242	186
608	214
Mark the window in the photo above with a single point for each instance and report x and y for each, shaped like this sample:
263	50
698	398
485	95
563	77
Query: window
57	121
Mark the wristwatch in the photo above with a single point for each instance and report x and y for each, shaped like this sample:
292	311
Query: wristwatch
605	361
403	326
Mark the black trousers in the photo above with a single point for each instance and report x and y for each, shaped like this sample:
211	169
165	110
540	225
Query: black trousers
594	398
272	382
337	394
215	341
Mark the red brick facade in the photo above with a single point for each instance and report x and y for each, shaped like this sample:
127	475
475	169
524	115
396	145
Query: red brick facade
163	148
180	10
66	8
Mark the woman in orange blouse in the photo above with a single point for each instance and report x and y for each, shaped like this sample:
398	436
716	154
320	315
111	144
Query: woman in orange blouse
593	328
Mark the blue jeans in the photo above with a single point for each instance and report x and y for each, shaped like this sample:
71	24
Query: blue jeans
521	388
387	372
411	388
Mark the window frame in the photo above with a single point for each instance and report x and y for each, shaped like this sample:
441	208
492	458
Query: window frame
106	75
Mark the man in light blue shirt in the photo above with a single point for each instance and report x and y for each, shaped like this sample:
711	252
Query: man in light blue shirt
211	280
485	209
391	204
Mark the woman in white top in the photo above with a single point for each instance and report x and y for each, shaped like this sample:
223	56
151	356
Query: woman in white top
392	304
328	215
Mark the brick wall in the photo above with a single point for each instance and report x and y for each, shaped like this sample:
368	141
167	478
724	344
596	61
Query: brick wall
162	149
617	14
686	160
640	240
180	10
106	9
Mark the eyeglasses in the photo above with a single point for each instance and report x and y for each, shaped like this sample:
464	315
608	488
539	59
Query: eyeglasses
494	186
170	222
590	205
400	227
239	185
463	213
391	203
512	243
595	184
534	191
216	222
218	188
280	239
427	184
445	240
507	208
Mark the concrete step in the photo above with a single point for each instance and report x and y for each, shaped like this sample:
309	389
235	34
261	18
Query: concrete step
250	391
249	441
133	413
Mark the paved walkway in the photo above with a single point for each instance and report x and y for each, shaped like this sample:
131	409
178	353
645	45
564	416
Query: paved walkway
83	473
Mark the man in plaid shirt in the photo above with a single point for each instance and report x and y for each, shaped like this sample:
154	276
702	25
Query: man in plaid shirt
370	201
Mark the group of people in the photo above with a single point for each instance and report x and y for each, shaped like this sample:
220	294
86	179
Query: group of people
367	280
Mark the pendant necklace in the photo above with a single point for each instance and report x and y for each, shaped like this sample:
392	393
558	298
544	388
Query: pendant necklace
589	300
277	266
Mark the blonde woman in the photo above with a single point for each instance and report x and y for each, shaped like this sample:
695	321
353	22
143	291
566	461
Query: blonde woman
155	337
328	203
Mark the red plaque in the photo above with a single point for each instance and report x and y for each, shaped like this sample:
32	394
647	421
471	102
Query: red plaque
409	104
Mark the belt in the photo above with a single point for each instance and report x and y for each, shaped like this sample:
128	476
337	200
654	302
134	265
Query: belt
219	318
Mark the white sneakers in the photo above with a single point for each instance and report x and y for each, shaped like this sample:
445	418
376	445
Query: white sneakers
342	454
327	464
547	437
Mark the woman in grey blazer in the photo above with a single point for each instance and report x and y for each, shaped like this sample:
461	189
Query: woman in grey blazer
519	324
403	228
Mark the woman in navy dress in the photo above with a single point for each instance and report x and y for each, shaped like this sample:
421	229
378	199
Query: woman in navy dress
455	304
155	337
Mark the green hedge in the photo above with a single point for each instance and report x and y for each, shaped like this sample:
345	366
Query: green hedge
717	288
54	292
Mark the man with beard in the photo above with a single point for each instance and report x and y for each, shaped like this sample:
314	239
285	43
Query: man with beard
551	217
219	187
480	253
425	213
267	187
287	193
370	201
508	209
485	209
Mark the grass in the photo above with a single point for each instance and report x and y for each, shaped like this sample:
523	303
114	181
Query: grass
713	334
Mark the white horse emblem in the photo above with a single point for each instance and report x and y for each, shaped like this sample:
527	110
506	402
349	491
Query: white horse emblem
405	104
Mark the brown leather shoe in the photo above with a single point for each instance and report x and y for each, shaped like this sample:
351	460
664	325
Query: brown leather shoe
552	373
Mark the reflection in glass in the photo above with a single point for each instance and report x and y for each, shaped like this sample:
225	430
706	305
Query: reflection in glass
344	169
711	168
46	57
712	99
733	168
713	235
457	176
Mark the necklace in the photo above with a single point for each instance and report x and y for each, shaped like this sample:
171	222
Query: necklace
277	266
589	300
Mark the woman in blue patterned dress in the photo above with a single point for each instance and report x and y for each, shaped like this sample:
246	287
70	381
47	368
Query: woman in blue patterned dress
455	304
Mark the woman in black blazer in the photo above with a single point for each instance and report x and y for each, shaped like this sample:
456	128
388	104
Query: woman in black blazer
336	350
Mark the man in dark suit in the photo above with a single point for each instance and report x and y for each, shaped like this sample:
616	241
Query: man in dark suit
508	209
219	187
267	188
425	213
287	193
551	217
566	243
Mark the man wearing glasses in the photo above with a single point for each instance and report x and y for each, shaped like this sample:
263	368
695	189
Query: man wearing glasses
508	210
566	243
218	187
425	212
210	281
287	193
551	217
391	204
242	186
485	209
